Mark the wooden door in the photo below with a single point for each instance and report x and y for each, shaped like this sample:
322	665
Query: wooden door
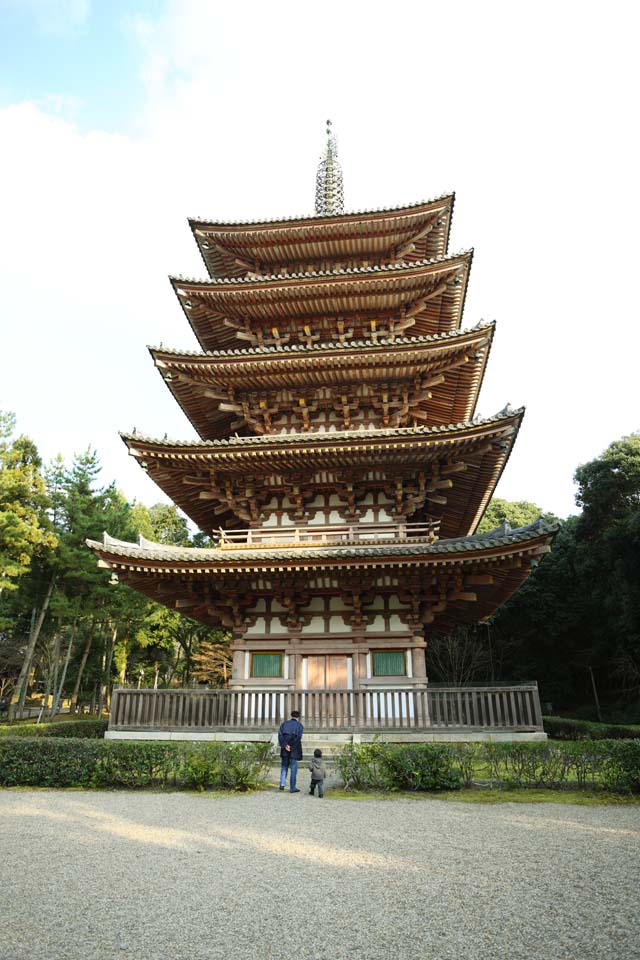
337	673
327	673
316	673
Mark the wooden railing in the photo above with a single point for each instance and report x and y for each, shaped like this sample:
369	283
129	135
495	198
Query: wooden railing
318	535
515	708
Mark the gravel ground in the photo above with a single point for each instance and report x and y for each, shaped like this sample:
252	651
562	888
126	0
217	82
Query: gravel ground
157	876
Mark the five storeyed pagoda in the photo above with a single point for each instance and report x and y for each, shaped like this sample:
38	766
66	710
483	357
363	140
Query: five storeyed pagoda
341	469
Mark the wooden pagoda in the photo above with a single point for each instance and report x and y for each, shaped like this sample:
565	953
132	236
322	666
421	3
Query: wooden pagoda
341	468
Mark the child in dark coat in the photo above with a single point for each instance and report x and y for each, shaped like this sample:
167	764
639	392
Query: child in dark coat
318	770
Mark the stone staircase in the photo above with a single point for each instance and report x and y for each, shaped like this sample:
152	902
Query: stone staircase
330	745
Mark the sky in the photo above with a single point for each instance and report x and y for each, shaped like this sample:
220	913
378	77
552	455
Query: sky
120	119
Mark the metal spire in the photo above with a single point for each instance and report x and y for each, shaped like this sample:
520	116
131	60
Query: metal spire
329	193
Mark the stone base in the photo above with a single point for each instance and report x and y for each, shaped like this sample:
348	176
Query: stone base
335	740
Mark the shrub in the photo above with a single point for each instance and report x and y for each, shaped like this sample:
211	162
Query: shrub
90	729
73	762
596	764
131	763
359	765
565	728
416	766
421	766
621	771
230	766
48	762
468	757
527	764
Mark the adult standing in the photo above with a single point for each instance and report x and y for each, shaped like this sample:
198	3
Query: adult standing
290	740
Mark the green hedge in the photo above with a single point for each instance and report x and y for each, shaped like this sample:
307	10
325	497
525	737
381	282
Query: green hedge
91	729
604	764
564	728
58	762
388	766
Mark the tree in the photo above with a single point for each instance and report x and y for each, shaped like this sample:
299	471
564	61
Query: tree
518	513
24	526
212	662
458	657
579	612
66	585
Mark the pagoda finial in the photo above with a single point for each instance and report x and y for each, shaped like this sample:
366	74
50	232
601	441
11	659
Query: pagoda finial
329	193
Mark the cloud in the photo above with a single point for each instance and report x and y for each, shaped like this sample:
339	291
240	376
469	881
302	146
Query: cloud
529	128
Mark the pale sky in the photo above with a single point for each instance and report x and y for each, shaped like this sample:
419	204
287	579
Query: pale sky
118	120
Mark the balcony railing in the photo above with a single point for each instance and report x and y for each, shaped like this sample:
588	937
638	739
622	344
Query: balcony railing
481	708
329	534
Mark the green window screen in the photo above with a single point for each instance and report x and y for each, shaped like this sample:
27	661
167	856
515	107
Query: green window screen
389	663
266	665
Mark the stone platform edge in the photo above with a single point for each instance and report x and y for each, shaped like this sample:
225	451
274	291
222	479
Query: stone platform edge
335	739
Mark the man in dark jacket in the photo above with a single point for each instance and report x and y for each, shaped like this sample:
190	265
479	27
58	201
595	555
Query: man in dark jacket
290	740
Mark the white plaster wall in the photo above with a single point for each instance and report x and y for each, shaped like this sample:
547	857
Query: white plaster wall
315	625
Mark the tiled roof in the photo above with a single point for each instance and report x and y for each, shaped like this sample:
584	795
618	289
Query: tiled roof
329	438
321	274
503	536
308	217
347	345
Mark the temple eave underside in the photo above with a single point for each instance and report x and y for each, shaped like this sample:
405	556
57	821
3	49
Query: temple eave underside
416	474
425	299
412	233
435	380
265	594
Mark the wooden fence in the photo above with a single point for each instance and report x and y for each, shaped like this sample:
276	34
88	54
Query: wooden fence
513	708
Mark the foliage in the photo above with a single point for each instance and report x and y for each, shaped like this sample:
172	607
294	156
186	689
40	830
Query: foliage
24	526
518	513
73	762
48	761
459	656
622	771
131	763
578	616
525	764
229	766
563	728
416	766
83	729
212	662
612	765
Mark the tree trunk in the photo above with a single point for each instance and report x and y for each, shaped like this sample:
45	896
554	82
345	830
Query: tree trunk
85	656
56	664
20	693
105	685
58	694
45	693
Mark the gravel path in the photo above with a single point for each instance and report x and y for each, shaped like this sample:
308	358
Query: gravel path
96	876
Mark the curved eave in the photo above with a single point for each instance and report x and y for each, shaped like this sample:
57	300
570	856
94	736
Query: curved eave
183	471
433	292
170	575
201	382
234	250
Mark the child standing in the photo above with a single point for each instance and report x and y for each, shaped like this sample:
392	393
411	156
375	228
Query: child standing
318	773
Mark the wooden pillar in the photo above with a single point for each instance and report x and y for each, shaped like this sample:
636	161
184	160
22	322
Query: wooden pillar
418	661
359	667
237	669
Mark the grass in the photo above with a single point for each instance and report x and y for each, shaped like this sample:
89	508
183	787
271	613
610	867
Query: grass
59	718
583	798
